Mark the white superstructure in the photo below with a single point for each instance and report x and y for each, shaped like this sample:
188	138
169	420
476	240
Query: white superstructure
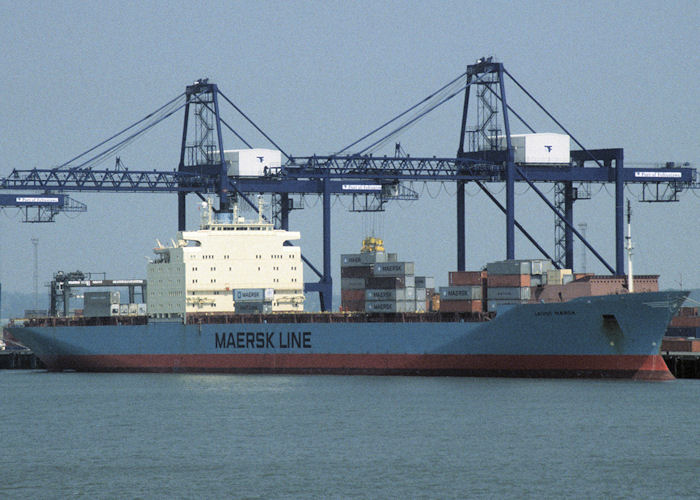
199	272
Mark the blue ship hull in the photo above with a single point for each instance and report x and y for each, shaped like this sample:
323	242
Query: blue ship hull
605	336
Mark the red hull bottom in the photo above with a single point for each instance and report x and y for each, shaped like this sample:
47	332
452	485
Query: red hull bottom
645	367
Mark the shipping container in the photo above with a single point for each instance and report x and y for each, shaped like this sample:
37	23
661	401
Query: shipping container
142	309
541	266
351	260
685	321
448	293
352	305
673	344
466	278
390	306
421	294
352	295
133	309
384	282
673	331
385	294
253	294
425	282
508	293
394	269
461	306
509	267
123	309
356	272
372	257
556	276
252	162
392	257
508	280
688	311
353	283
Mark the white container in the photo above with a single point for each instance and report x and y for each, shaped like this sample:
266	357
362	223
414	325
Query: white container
123	309
142	309
251	162
545	148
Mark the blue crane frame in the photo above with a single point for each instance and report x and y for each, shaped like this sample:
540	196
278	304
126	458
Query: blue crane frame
348	174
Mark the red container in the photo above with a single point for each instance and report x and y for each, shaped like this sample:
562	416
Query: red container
466	278
688	311
352	305
675	344
685	321
461	306
352	295
505	280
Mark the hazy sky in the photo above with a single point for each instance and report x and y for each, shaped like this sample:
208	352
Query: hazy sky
317	75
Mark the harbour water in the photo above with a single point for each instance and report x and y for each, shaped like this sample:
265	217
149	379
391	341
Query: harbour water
74	435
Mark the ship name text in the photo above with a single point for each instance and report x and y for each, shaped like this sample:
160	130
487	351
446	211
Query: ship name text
555	313
262	340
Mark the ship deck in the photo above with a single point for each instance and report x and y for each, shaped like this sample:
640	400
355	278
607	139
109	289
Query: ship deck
275	318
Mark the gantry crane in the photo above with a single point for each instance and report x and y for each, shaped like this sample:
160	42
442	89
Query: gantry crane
483	159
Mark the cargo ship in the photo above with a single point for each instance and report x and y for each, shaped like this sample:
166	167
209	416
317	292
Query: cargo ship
228	298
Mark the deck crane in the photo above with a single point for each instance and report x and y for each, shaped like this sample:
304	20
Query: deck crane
203	170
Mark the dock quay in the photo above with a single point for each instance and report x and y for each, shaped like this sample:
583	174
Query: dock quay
683	364
19	359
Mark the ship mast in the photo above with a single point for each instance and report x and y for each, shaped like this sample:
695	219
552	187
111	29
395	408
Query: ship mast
630	278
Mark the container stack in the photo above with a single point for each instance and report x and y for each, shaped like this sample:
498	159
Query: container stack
464	293
355	270
391	288
375	281
253	300
425	289
509	281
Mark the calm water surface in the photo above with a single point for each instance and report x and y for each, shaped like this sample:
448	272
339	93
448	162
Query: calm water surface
217	436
